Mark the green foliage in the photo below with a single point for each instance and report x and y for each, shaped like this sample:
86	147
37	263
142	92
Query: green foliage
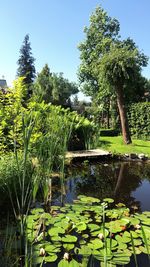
109	132
43	85
50	122
11	109
76	231
109	64
139	120
106	60
10	172
26	66
53	88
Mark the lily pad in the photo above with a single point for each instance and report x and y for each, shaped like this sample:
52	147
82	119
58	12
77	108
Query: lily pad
50	258
69	239
65	263
55	231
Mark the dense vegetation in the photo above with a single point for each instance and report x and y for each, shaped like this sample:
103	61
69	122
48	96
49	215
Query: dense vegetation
38	126
139	120
110	68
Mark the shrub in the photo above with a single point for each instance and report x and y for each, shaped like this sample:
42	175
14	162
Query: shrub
109	132
139	120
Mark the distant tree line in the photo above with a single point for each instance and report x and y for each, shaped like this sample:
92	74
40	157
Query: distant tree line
50	87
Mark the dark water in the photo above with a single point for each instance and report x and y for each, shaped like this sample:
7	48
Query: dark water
126	182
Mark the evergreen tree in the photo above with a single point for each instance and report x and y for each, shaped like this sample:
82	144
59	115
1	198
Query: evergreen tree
26	66
43	86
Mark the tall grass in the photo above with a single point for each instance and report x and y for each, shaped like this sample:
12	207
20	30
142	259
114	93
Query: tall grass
34	164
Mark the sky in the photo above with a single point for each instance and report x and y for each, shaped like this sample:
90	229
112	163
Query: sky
55	28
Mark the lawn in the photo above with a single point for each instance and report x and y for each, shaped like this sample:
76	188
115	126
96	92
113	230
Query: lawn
116	145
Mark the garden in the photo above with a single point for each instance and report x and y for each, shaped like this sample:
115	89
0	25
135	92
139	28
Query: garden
63	212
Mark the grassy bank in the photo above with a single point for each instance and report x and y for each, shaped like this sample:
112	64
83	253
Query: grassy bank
116	145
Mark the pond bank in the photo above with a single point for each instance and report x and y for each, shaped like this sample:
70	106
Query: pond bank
104	155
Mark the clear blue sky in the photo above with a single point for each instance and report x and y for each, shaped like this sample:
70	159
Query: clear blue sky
56	28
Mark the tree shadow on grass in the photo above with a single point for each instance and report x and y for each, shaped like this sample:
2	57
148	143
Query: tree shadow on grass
142	145
105	143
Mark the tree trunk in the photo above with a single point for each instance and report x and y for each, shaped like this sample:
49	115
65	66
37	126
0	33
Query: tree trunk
123	115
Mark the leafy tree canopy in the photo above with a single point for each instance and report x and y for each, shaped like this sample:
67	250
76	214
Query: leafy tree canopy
103	43
54	88
108	62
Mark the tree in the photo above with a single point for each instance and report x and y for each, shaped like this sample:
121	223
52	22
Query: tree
54	88
43	86
26	66
62	89
108	61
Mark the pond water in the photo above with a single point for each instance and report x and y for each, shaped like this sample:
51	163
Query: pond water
126	182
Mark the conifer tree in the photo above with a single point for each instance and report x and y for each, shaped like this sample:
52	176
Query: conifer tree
26	66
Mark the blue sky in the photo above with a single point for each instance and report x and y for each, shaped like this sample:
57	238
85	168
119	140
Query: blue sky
56	28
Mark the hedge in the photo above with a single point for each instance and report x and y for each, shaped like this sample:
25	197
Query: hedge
139	120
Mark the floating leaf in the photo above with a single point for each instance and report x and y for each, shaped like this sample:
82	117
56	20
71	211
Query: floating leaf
65	263
50	258
68	246
93	227
90	200
55	231
69	239
95	244
108	200
37	211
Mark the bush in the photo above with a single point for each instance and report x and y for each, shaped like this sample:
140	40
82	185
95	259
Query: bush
139	120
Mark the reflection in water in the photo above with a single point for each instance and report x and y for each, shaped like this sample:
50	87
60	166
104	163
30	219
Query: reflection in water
119	180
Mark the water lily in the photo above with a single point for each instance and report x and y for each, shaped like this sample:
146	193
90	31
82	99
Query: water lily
66	256
100	236
42	252
137	226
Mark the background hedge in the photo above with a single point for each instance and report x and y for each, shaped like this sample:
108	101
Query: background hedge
139	120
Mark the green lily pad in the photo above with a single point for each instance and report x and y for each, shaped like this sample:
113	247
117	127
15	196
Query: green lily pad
69	239
111	243
114	226
85	251
65	263
56	238
122	239
68	246
50	258
108	200
95	244
89	200
81	226
55	231
122	246
121	260
37	211
51	248
93	227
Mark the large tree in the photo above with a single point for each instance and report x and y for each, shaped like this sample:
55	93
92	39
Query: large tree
26	66
108	62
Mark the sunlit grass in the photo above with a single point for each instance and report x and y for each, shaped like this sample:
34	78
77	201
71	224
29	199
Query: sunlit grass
116	145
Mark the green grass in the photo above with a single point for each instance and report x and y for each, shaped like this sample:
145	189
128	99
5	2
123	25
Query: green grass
116	145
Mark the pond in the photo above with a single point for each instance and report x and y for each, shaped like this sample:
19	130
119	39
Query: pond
126	182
